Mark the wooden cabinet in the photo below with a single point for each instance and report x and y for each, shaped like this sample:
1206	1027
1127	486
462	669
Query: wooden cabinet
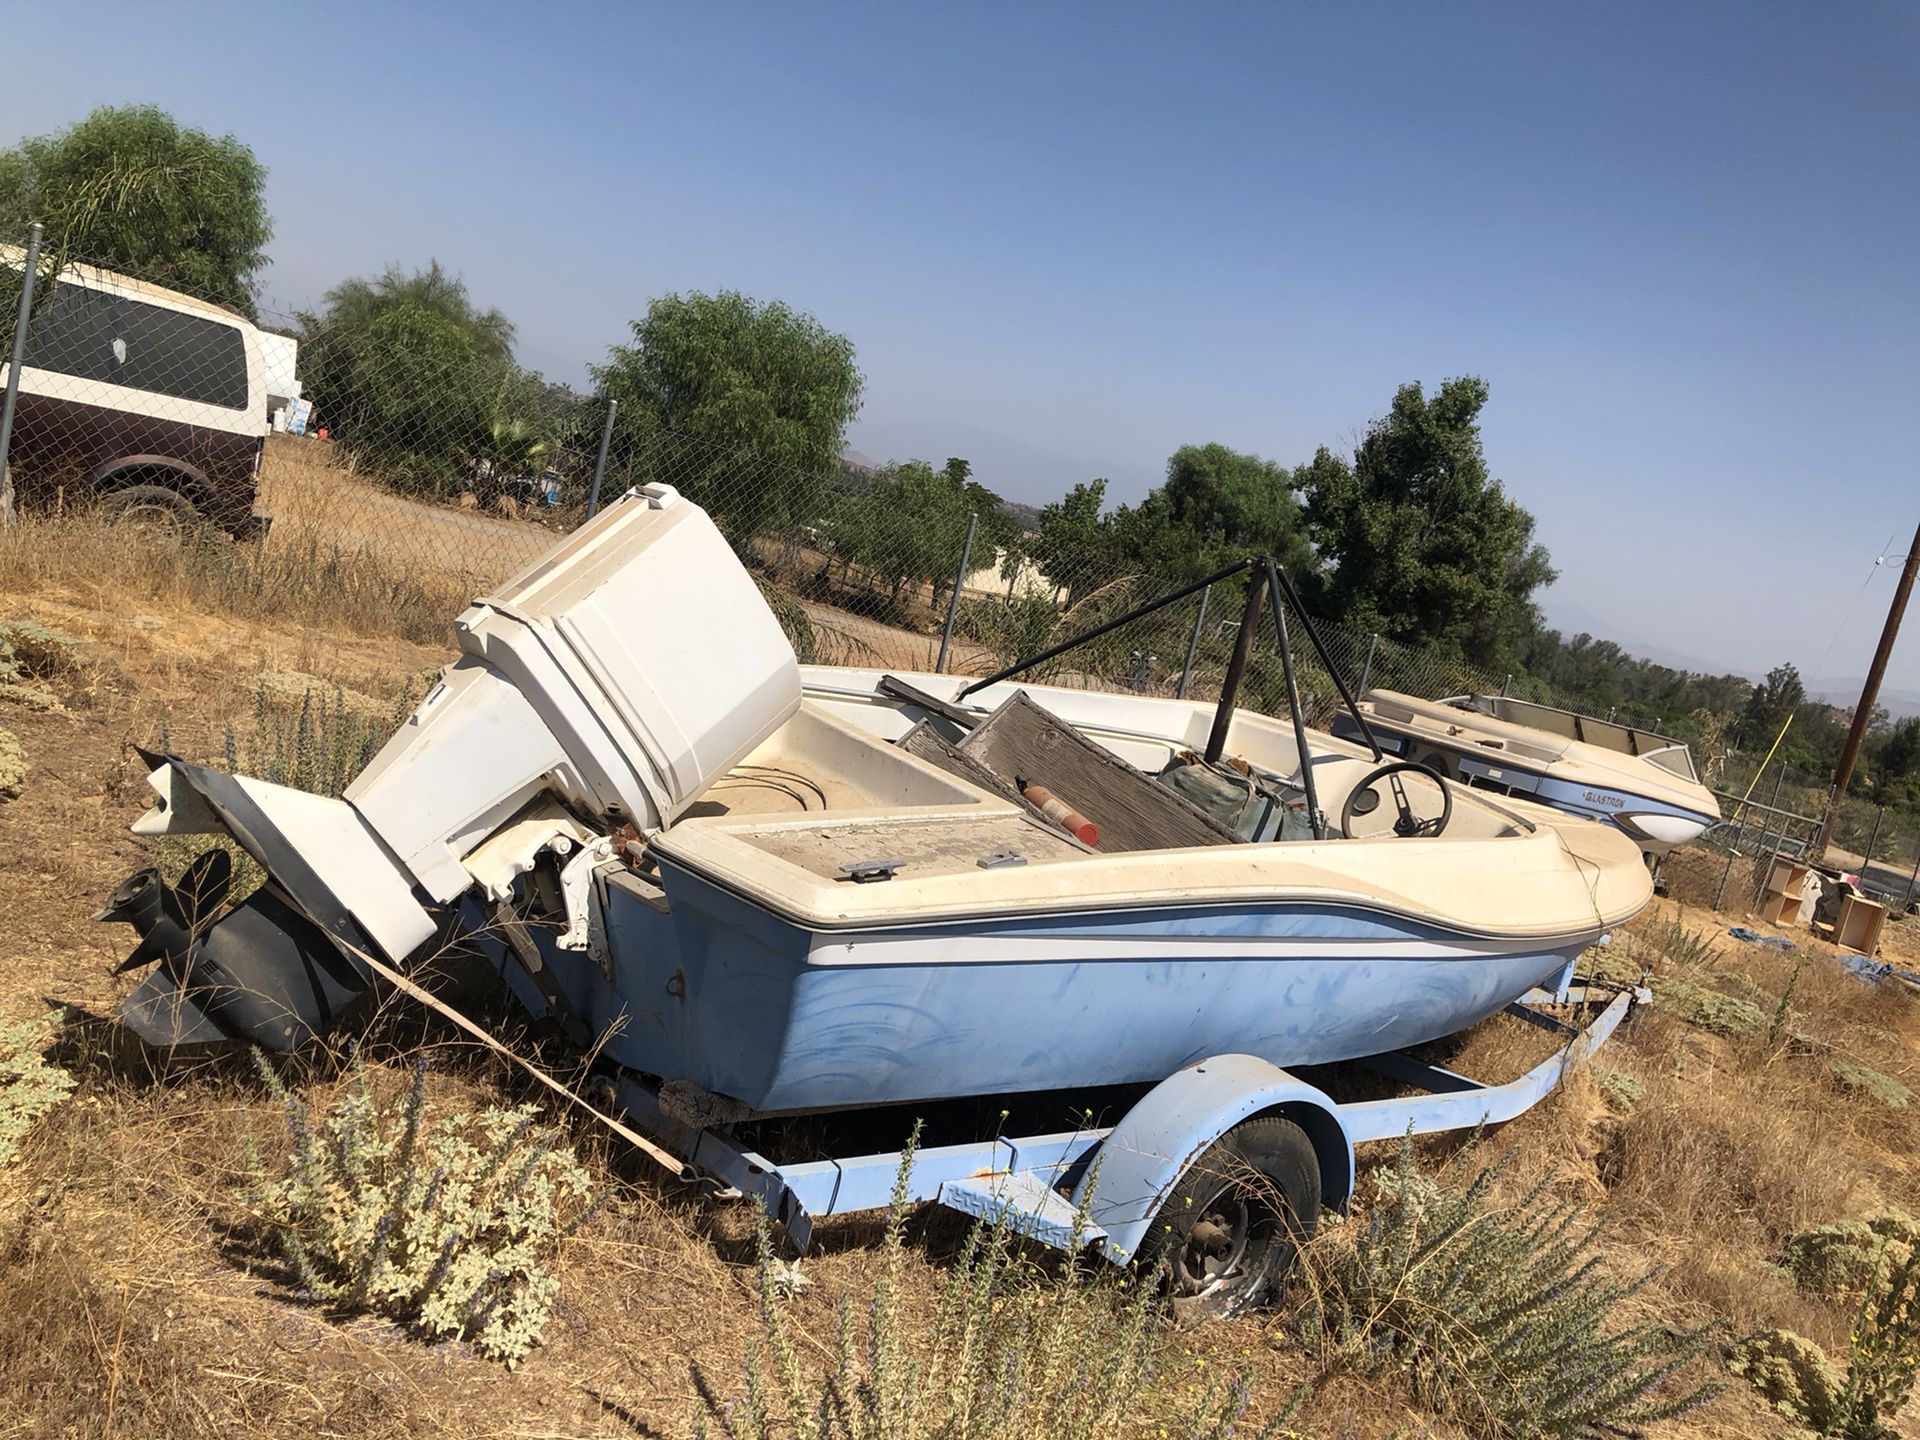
1858	924
1780	891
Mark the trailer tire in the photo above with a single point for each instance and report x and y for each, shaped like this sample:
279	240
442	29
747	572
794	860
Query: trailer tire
1229	1231
155	507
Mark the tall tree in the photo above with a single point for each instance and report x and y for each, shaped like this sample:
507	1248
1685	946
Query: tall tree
131	189
1071	547
407	370
1419	541
754	398
1236	504
1776	698
1897	763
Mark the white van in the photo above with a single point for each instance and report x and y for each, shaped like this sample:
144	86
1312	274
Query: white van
149	400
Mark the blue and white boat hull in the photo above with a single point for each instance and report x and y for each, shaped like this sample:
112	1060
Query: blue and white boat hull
762	1010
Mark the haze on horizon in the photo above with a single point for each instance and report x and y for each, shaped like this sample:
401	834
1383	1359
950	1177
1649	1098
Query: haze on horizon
1677	243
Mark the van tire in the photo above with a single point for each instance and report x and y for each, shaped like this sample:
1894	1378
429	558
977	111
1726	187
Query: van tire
152	506
1257	1191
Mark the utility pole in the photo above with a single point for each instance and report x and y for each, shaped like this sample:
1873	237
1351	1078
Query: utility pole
1863	713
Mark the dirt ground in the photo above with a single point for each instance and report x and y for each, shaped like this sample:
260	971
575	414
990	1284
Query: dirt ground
133	1302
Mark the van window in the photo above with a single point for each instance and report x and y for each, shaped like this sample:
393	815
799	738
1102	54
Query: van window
92	335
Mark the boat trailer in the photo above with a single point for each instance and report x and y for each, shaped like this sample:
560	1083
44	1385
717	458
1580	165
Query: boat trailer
548	747
1101	1186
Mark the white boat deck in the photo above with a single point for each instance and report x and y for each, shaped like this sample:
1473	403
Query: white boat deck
829	790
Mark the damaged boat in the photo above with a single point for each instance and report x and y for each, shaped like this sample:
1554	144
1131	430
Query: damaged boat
781	888
1621	775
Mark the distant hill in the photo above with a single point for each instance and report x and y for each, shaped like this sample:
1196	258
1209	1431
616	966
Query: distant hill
1844	694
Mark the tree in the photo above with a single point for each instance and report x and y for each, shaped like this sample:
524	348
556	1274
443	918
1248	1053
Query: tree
410	373
909	523
905	527
1420	543
1236	504
756	398
1898	763
1070	549
131	189
1772	702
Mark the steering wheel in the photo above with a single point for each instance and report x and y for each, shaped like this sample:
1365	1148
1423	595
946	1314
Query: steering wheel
1408	825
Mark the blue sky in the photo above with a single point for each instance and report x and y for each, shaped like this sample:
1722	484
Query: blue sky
1681	242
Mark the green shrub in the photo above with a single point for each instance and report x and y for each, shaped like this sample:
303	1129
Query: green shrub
1843	1258
1620	1090
1013	1350
1709	1009
304	734
1498	1315
1011	629
1777	1032
1884	1350
446	1222
793	618
1615	963
1867	1081
1883	1355
1793	1373
316	742
31	655
1673	941
29	1086
13	766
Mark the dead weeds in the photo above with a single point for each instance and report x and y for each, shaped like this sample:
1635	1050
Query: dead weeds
131	1304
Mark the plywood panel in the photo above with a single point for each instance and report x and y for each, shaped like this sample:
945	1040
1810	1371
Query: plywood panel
1023	743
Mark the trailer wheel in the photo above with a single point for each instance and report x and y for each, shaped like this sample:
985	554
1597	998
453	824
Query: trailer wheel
1231	1227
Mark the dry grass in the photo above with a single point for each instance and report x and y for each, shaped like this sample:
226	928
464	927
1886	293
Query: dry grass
99	565
132	1301
318	502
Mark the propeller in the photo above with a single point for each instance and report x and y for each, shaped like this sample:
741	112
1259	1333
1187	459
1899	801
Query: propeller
169	918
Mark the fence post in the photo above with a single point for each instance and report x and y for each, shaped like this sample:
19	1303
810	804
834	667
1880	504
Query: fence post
1504	684
1879	814
27	276
953	600
1193	645
1913	879
1773	803
600	465
1366	670
1773	813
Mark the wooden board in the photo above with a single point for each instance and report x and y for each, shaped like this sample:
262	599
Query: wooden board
925	742
1023	743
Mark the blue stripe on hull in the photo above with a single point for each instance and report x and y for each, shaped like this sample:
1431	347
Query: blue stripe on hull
730	1001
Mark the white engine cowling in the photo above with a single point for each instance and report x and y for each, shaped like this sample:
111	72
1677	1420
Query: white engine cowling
623	672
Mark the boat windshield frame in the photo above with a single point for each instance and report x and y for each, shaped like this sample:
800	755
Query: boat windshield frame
1266	580
1660	751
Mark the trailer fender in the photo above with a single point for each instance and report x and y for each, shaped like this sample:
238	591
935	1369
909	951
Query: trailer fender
1146	1153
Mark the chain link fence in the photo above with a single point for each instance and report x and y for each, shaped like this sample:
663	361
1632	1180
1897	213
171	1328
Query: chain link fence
392	431
391	444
